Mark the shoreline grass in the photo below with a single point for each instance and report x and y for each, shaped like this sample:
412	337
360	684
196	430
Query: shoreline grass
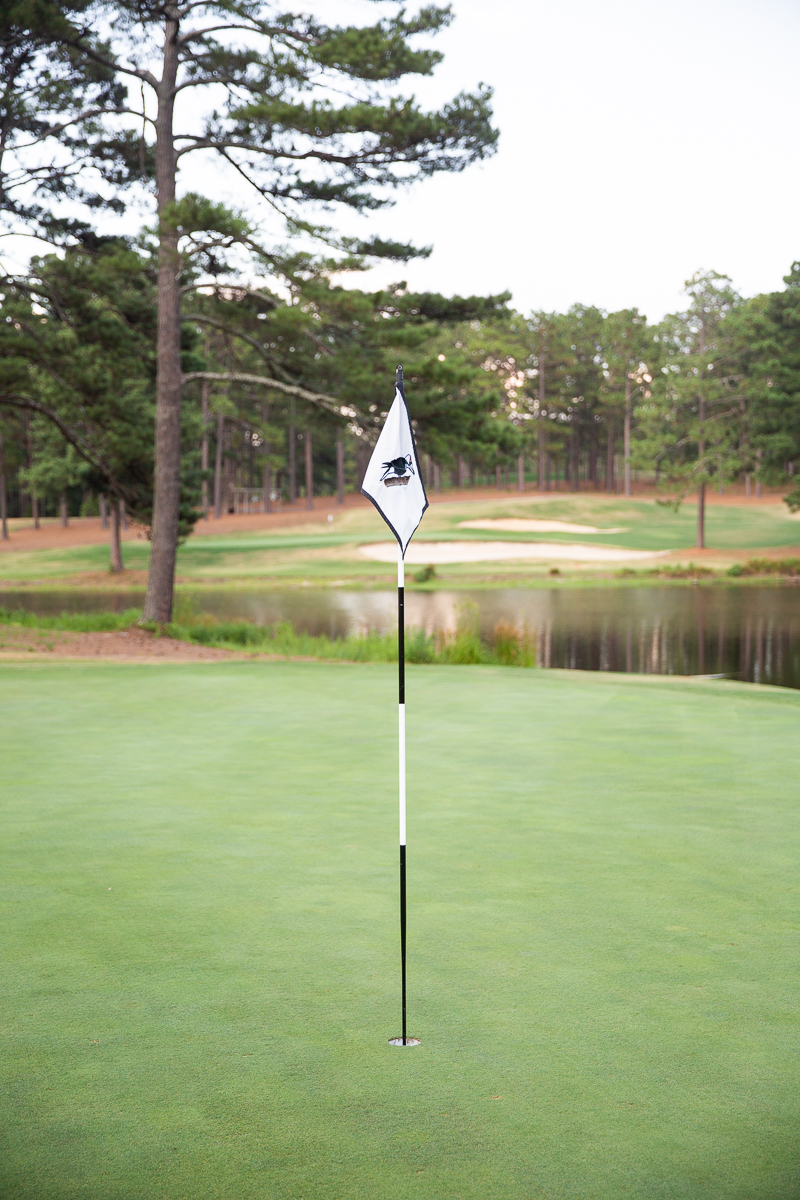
508	645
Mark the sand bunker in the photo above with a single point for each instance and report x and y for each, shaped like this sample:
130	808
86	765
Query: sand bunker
530	525
461	552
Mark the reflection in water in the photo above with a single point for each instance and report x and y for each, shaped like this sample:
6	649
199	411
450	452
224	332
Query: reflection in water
747	632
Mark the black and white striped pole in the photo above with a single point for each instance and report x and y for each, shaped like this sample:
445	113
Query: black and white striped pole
393	482
404	1040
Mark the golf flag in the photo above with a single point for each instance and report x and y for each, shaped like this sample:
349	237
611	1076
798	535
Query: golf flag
393	480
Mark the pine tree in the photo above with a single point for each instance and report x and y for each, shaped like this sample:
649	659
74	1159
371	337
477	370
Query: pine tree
282	126
693	421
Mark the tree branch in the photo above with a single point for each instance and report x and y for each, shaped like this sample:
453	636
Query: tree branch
11	400
84	116
328	403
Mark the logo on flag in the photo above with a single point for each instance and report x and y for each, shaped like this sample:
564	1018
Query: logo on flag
393	481
401	468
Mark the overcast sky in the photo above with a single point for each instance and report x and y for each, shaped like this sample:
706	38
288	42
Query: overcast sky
639	141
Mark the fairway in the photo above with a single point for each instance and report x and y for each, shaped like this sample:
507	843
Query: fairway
317	553
199	874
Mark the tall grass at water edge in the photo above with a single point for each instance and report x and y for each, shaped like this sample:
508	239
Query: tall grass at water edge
508	645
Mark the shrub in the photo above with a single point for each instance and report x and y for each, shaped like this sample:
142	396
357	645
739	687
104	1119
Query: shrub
514	647
787	567
426	574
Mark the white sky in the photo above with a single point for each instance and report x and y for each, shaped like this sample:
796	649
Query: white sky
639	141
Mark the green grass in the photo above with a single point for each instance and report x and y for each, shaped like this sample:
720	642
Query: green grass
200	965
508	646
72	622
314	554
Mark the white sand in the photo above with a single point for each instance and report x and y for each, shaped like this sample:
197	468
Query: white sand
529	525
459	552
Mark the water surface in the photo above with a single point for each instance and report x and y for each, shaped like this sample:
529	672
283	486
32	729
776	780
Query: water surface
750	633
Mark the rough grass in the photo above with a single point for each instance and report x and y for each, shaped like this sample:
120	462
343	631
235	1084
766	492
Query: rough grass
199	882
508	646
786	567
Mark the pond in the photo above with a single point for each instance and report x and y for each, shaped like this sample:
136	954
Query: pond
750	633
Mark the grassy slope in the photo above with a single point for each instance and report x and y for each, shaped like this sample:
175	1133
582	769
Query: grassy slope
199	881
317	555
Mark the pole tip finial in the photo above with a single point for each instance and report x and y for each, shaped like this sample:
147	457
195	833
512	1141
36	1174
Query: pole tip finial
398	375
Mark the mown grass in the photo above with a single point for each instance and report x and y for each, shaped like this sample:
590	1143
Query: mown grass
319	555
198	874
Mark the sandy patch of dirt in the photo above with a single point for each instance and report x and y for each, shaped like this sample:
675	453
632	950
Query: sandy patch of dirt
129	645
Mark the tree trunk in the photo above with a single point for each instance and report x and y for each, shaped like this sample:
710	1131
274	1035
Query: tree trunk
573	457
339	471
498	481
204	448
437	478
218	467
593	456
521	473
362	461
34	497
103	506
3	496
62	510
309	471
627	435
758	474
292	456
747	484
541	453
115	545
701	491
610	457
267	472
167	476
541	437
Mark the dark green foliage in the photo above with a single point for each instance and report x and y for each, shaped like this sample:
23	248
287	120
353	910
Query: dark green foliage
77	336
282	122
51	130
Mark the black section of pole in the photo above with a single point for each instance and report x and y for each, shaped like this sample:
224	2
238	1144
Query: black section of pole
398	380
401	645
403	933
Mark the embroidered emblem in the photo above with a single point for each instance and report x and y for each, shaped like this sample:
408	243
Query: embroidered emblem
397	472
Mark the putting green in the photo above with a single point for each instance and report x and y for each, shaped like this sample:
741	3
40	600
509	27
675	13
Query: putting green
200	970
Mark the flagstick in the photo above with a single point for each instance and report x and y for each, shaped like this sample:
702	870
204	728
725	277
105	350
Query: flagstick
401	664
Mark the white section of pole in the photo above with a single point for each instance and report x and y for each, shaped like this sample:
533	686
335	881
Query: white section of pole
402	739
401	708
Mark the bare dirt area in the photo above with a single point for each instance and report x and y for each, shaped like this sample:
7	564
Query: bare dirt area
88	531
133	645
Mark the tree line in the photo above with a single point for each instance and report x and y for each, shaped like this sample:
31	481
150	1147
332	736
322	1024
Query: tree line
205	361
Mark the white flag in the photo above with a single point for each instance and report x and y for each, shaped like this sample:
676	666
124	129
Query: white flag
393	480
